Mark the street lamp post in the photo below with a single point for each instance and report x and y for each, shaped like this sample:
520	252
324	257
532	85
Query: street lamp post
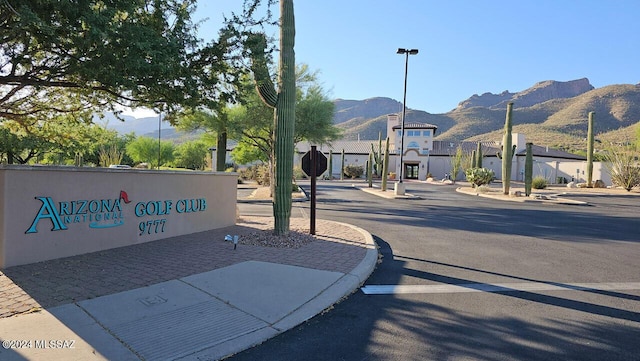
159	137
407	52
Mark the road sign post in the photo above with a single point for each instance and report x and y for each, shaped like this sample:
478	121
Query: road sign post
314	164
314	168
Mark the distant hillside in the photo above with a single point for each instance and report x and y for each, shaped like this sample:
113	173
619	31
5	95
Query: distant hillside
348	110
139	126
549	113
146	127
174	135
538	93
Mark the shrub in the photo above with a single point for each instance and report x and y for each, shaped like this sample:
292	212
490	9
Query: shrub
258	173
622	164
539	182
353	171
479	176
262	175
246	173
298	173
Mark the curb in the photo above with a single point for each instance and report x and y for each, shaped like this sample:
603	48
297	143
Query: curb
535	197
389	194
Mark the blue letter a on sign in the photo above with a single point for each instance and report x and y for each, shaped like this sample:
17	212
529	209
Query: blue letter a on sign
47	210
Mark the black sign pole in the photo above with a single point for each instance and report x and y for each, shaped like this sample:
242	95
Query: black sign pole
314	164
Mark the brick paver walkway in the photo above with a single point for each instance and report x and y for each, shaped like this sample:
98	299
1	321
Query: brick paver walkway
40	285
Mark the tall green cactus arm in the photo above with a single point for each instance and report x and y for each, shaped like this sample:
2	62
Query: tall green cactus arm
385	167
284	121
500	152
374	154
590	141
257	44
473	159
507	156
528	170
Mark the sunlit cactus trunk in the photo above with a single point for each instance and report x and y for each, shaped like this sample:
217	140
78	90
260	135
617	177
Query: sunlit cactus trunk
528	170
283	100
342	165
370	170
330	167
479	155
590	141
507	152
285	120
385	166
377	156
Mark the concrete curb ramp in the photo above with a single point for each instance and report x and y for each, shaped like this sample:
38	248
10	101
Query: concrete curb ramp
535	197
204	316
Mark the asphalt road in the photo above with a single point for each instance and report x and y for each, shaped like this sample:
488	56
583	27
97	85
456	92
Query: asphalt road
448	251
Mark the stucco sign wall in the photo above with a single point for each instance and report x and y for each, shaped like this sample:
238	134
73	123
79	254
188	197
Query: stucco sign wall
53	212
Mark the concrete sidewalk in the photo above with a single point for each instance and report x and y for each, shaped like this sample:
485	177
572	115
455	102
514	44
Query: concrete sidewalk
185	298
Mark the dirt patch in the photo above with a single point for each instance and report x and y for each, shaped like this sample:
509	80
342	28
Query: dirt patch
263	193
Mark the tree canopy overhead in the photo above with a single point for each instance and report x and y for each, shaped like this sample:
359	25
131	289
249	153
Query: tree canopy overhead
68	55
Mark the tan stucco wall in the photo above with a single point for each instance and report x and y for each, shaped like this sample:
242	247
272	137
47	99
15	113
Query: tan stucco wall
26	192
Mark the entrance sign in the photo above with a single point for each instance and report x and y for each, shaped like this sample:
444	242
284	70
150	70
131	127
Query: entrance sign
53	212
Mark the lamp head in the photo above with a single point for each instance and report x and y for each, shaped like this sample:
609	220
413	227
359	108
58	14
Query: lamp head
407	51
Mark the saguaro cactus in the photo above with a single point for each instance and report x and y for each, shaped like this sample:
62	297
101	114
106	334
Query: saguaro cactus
370	170
528	170
342	166
478	160
590	151
330	165
377	156
473	159
283	100
507	152
385	167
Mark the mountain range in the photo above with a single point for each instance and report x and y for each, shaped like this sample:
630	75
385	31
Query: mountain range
550	113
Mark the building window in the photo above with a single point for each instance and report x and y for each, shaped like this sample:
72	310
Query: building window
413	133
399	133
426	133
425	151
413	145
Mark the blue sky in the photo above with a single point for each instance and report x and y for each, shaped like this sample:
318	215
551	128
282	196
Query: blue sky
466	47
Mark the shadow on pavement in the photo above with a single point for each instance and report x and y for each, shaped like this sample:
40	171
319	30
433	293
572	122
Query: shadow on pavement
445	332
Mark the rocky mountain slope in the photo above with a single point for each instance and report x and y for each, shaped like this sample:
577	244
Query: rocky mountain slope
549	113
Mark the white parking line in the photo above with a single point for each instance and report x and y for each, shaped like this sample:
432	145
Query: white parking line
498	287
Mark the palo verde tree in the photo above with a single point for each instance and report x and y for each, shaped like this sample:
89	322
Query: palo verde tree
251	121
145	150
191	155
214	123
69	56
57	139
